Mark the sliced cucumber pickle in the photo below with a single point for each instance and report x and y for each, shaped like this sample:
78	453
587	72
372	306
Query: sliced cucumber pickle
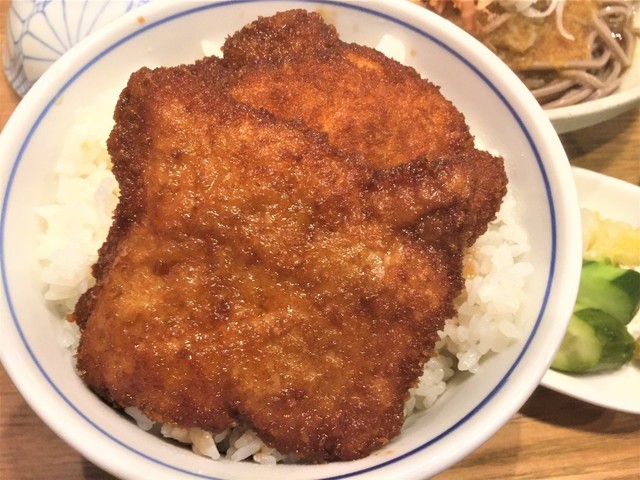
594	341
612	289
580	349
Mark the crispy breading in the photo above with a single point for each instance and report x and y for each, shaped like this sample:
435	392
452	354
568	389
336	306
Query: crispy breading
259	272
246	280
365	101
295	66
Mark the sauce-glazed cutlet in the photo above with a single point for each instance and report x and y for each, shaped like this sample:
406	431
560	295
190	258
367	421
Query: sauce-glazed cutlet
288	241
255	273
296	67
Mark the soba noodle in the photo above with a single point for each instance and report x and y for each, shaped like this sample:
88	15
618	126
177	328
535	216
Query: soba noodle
611	43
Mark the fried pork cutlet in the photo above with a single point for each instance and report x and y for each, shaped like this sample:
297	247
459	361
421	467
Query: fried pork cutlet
295	66
261	270
246	279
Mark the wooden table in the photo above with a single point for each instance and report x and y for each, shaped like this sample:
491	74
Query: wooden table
552	436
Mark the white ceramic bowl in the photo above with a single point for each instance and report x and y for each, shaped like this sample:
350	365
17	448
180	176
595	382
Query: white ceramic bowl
39	33
501	113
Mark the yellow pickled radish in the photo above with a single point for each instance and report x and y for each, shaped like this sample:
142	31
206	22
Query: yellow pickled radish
607	239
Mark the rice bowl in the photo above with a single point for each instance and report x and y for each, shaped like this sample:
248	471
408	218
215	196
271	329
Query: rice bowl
443	428
78	222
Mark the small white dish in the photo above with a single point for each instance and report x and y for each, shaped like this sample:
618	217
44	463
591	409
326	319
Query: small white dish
619	389
501	113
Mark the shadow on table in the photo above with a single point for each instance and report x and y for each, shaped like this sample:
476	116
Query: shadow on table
551	407
91	472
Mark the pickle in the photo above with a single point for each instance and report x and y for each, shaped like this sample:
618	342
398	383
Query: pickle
594	341
612	289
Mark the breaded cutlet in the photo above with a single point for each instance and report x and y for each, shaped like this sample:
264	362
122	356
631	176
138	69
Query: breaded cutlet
274	269
295	66
246	280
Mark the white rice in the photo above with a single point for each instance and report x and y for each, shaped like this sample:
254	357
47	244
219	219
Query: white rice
78	219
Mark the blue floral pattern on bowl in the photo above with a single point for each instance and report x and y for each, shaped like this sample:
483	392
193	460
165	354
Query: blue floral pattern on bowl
40	31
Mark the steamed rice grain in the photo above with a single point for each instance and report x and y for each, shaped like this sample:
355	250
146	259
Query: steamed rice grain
77	221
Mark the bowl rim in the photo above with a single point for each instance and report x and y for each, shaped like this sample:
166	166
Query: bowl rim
92	46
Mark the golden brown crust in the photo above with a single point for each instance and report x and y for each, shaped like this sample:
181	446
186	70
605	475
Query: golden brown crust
258	273
366	103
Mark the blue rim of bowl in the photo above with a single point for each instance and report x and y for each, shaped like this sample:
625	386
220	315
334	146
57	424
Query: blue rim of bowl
359	8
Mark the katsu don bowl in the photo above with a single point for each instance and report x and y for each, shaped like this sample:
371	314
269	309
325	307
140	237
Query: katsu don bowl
270	257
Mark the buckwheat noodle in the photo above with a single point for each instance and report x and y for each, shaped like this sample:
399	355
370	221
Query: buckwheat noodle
612	44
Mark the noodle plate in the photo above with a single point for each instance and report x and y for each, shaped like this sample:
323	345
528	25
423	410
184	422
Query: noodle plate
566	52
